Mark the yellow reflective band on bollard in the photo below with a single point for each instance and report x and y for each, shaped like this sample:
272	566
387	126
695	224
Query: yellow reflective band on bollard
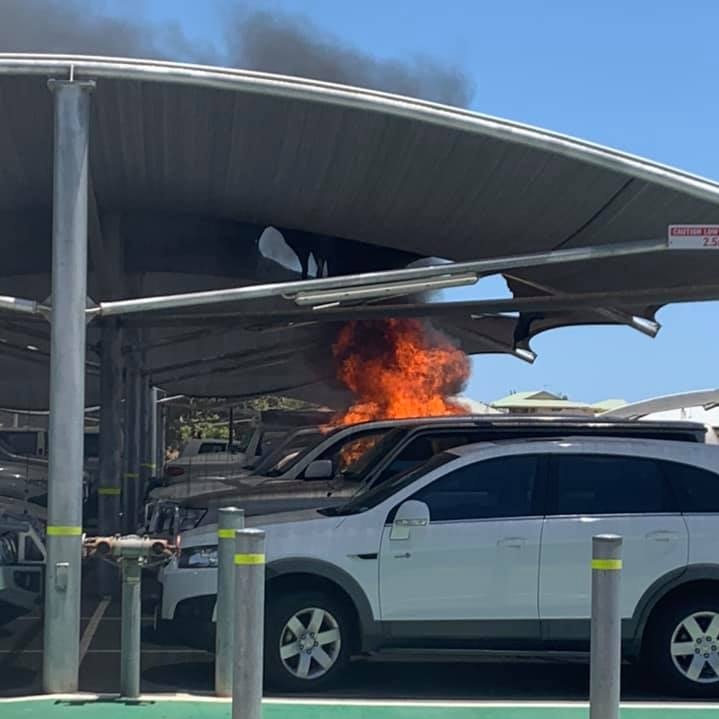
147	465
109	491
607	564
226	533
249	558
132	475
54	530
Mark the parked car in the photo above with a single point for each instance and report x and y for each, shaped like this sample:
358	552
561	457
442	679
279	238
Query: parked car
405	445
161	508
309	454
22	479
488	547
202	457
26	449
22	563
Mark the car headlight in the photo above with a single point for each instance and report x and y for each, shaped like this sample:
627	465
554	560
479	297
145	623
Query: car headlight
198	557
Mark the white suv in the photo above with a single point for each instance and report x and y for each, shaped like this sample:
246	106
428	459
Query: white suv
488	547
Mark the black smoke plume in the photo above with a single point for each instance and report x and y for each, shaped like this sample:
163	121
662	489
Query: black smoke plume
255	40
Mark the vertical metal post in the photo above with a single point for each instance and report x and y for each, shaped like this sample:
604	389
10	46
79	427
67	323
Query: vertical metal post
161	438
131	484
230	430
249	624
606	649
230	520
154	430
147	463
130	629
110	470
67	386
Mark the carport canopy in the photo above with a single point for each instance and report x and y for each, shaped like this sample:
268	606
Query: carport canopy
208	178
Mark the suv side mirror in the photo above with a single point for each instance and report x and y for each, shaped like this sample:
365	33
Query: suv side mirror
320	469
411	513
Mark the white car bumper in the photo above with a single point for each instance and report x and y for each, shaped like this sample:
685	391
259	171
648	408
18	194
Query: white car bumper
181	584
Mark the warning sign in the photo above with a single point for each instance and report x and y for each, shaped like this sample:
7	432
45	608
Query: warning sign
694	237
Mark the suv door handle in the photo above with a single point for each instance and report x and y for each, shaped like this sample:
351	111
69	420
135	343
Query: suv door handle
514	542
662	535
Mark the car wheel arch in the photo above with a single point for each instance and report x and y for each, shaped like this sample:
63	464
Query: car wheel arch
333	576
667	586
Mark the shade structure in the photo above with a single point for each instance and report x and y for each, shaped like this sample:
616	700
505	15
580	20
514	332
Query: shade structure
190	166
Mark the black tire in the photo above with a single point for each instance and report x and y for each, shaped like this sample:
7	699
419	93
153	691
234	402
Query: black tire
278	613
667	625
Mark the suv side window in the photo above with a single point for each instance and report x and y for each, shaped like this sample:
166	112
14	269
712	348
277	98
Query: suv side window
696	488
591	484
421	449
494	488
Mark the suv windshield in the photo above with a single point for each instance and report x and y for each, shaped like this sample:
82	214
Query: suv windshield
356	471
370	498
289	453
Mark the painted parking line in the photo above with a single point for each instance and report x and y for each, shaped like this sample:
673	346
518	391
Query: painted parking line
89	633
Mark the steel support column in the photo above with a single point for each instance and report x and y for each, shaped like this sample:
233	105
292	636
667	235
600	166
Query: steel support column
133	421
161	409
147	462
154	430
67	386
109	491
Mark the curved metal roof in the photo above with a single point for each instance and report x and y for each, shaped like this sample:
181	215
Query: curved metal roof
189	164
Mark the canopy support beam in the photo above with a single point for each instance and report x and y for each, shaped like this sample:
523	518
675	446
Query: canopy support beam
371	280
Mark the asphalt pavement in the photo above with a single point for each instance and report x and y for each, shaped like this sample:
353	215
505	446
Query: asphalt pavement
173	667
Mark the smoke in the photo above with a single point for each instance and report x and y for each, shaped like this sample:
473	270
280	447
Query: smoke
72	26
290	46
254	40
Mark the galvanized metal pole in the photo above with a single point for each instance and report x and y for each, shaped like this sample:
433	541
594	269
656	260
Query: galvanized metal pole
230	430
67	386
606	649
147	462
110	471
249	624
154	430
230	520
130	629
161	438
131	484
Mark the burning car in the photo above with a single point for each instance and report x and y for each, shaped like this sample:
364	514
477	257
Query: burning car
334	470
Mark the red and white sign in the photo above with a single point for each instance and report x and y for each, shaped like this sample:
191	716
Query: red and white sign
694	237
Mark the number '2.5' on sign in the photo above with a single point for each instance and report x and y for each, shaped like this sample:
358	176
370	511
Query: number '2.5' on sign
694	237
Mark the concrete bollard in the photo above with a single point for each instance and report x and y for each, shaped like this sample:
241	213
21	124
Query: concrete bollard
249	624
606	631
230	520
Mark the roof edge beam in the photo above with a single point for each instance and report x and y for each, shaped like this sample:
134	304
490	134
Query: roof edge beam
288	290
648	327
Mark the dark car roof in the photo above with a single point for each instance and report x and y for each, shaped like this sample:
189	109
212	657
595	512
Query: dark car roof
554	423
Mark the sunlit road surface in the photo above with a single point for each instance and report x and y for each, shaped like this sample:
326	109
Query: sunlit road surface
177	668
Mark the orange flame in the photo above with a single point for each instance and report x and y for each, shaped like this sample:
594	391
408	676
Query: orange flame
398	368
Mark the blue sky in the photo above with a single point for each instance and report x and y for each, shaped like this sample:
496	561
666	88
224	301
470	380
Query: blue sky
640	76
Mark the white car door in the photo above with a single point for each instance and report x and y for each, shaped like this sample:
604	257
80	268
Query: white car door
478	557
598	493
